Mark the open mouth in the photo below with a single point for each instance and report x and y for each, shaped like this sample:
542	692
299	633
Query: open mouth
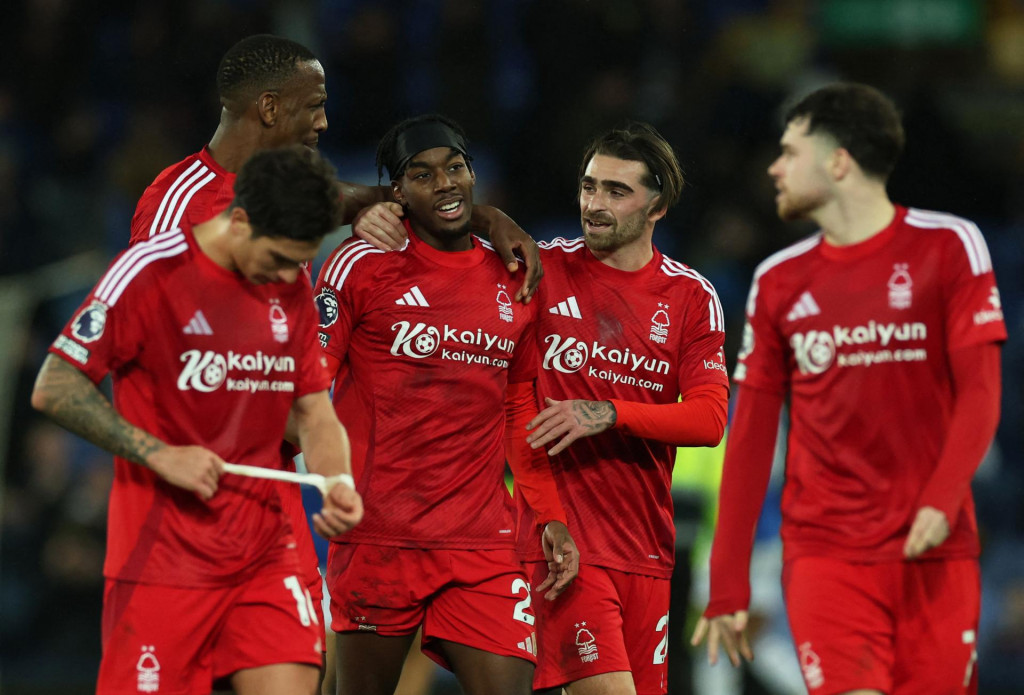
450	210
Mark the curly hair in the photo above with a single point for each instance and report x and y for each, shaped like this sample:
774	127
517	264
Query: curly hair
257	64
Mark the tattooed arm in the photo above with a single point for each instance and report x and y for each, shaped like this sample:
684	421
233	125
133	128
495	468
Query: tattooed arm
69	398
569	420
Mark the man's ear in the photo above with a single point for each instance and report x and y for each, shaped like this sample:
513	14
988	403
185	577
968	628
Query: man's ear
266	107
396	192
239	225
842	163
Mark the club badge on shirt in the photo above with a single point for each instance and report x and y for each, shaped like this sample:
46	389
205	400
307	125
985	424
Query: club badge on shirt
278	321
659	324
900	286
504	304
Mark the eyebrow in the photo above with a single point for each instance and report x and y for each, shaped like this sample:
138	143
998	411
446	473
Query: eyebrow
288	259
424	165
608	183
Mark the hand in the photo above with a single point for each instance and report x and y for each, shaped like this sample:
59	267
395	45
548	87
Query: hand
188	467
930	529
730	630
569	420
381	226
563	558
507	238
342	511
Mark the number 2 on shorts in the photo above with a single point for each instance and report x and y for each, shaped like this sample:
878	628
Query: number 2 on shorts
661	651
520	614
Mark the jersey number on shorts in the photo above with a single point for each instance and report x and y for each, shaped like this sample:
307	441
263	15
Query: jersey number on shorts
304	604
520	614
661	651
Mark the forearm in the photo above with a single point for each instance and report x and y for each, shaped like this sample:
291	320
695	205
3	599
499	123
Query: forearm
531	468
355	197
697	420
70	399
322	438
748	464
485	218
976	378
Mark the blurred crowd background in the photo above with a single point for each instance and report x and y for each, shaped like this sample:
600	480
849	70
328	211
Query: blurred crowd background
98	96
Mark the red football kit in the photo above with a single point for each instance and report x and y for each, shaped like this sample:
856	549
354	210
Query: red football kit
866	341
198	356
643	337
194	190
426	343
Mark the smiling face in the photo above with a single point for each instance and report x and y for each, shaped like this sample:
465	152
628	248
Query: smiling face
615	207
800	172
436	191
300	115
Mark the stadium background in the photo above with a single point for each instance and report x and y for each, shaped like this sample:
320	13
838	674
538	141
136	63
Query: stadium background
97	97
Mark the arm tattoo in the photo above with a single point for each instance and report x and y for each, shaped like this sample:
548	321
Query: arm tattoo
595	416
74	402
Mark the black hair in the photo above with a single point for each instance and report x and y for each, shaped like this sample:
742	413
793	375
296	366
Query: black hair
389	154
259	63
641	142
290	192
861	120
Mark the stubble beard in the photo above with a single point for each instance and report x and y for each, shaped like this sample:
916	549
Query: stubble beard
620	235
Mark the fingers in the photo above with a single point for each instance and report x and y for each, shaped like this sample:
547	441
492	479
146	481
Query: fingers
342	511
381	226
727	632
534	273
699	632
548	582
930	529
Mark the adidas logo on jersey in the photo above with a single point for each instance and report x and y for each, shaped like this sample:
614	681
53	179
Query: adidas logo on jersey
529	644
804	307
198	325
413	298
567	307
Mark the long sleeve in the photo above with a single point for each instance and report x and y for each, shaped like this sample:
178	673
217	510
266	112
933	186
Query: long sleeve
530	467
745	475
696	420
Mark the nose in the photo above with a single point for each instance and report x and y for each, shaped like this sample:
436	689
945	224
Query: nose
773	168
320	124
443	181
288	275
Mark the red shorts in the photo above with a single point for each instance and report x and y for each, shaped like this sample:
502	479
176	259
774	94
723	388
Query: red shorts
291	505
175	641
905	628
605	621
479	598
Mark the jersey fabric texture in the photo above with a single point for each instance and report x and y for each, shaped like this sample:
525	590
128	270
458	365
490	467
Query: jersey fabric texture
198	356
860	337
644	336
183	195
427	342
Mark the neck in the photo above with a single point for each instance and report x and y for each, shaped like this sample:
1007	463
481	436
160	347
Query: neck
214	241
233	143
856	215
450	242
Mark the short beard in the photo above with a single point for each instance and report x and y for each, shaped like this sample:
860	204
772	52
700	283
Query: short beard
622	235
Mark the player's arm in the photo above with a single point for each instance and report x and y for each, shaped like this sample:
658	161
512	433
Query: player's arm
72	400
976	387
698	419
532	473
381	226
745	474
326	449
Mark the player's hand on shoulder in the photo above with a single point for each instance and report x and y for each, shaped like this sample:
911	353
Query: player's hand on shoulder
509	238
930	529
568	421
342	511
189	467
728	631
381	226
563	558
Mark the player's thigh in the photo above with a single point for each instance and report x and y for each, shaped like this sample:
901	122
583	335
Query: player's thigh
381	589
481	672
368	663
937	628
580	634
273	621
487	606
840	615
645	628
277	679
159	638
614	683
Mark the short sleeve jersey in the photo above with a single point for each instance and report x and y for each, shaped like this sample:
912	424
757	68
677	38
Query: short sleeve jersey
198	356
428	342
645	336
859	337
183	195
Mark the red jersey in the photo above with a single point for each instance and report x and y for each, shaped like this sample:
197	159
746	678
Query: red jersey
859	337
183	195
198	356
427	341
644	336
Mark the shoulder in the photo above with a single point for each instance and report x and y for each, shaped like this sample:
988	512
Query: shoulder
781	264
962	236
561	247
690	283
142	264
352	259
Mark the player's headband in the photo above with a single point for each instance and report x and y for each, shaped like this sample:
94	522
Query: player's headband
420	137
